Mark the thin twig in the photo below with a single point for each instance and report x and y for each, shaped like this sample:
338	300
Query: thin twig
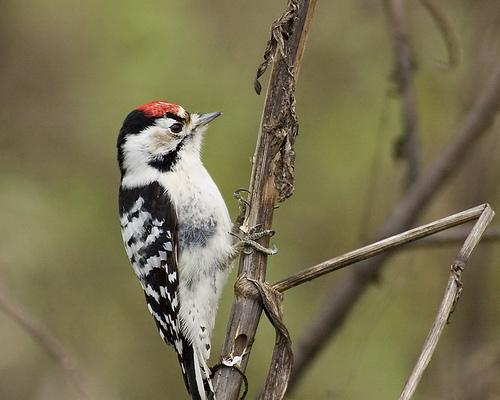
45	340
451	296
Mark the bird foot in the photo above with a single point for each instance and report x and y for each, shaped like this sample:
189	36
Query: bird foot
248	236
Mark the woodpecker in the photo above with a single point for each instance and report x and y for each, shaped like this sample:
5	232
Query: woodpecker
176	230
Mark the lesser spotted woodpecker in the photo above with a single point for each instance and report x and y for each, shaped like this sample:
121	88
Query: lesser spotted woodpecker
176	230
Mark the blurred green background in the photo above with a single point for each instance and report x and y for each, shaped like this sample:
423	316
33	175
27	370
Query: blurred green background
70	71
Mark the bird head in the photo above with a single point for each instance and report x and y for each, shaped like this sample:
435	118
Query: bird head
155	134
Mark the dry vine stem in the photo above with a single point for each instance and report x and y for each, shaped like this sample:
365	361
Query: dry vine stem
271	181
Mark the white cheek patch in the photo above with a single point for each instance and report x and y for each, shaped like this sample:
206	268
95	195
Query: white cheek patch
161	141
152	140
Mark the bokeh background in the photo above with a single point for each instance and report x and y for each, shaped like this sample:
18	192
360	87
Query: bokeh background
71	70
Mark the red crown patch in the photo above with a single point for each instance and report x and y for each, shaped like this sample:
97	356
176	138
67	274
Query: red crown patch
159	108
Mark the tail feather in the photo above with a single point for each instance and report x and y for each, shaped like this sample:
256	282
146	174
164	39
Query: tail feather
196	373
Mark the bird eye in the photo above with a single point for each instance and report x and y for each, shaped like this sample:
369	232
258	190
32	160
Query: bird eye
176	128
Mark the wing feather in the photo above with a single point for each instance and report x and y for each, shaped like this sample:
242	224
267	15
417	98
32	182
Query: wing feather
149	226
149	229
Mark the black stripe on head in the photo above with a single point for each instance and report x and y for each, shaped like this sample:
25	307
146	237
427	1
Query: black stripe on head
174	116
165	162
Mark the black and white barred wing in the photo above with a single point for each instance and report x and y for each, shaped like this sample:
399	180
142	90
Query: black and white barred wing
149	229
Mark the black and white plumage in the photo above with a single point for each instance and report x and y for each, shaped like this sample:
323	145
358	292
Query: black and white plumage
176	230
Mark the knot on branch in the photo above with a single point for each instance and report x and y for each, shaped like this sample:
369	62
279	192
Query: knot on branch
457	269
244	287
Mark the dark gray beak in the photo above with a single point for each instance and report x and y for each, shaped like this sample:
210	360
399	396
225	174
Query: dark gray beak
206	118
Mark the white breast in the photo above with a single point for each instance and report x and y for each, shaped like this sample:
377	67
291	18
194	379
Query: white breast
203	265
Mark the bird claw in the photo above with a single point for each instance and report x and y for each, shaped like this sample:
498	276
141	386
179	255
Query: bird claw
260	248
250	234
237	195
249	240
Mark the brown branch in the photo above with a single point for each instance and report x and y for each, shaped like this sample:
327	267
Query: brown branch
271	180
45	340
342	299
407	146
